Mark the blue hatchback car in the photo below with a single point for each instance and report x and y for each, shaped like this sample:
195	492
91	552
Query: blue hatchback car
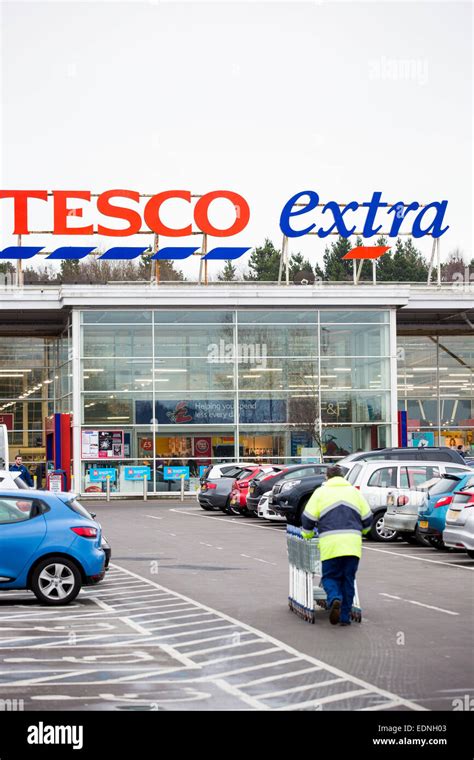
432	517
50	544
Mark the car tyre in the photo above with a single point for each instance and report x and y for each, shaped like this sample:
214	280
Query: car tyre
437	542
470	554
379	533
56	581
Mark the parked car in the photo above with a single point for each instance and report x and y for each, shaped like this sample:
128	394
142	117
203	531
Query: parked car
459	530
376	479
432	516
238	496
11	480
215	492
265	510
425	453
49	544
288	498
265	481
214	471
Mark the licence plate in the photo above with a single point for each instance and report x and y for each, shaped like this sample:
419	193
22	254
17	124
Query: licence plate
424	523
453	514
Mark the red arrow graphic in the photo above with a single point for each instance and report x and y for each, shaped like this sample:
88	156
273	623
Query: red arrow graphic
367	252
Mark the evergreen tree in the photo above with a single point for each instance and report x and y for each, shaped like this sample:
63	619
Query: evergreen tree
264	263
408	263
228	274
335	267
70	271
298	264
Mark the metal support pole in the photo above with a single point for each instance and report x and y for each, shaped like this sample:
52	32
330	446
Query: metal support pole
155	270
182	487
374	271
107	487
438	261
202	262
19	268
145	487
430	268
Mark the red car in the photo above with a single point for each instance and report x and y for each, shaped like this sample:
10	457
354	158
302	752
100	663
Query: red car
240	489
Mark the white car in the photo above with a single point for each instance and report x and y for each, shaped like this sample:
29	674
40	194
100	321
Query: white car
11	480
376	480
221	470
266	511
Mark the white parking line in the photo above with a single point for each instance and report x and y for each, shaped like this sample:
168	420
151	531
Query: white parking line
413	556
154	517
226	520
302	687
325	700
263	638
420	604
280	675
257	559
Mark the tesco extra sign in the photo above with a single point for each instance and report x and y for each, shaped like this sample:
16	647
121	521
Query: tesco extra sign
302	214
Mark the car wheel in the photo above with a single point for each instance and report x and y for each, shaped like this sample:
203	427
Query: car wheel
436	542
56	581
410	538
420	538
470	554
299	511
379	533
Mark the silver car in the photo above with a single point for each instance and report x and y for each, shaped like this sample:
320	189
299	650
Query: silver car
459	530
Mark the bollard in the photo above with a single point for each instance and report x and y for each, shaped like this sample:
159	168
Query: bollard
35	482
145	488
182	487
107	487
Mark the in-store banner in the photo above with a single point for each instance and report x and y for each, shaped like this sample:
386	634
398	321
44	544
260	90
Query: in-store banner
210	412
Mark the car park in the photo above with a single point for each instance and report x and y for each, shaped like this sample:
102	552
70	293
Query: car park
264	482
432	516
214	493
288	498
238	496
377	479
49	544
459	530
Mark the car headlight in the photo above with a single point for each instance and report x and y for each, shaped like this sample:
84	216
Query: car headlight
289	484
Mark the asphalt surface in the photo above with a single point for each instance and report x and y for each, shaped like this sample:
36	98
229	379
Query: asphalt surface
193	615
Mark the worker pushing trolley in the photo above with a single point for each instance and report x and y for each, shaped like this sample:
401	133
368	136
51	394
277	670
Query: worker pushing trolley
340	516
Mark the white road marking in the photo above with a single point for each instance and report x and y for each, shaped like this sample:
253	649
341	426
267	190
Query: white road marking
136	626
257	559
302	687
227	521
414	556
280	675
246	698
217	660
265	638
154	517
238	671
421	604
325	700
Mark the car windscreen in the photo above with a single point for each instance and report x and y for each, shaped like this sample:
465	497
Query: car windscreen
229	472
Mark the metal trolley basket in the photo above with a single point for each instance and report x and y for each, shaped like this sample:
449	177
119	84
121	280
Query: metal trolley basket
305	592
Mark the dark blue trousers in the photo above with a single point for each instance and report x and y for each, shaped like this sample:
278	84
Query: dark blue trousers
338	579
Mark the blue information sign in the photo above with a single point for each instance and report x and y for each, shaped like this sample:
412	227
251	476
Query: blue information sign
175	473
137	473
100	474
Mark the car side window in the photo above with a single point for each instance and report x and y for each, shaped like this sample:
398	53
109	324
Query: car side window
385	477
299	473
419	474
15	510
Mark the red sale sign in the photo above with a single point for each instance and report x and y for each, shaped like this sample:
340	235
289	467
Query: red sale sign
7	420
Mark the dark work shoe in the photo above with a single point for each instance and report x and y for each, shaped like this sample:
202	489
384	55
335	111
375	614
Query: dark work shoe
335	612
345	622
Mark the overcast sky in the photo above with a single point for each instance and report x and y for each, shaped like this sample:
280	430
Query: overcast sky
266	99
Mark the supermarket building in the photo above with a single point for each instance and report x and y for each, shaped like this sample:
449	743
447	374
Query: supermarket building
185	374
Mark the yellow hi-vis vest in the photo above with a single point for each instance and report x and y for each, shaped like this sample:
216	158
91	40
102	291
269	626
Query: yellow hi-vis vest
341	515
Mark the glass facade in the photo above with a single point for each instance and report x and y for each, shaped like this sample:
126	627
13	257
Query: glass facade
436	388
35	382
188	387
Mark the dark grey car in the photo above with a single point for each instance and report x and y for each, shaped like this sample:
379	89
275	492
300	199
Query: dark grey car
215	493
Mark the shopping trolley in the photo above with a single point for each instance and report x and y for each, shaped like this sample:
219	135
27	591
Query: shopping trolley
305	591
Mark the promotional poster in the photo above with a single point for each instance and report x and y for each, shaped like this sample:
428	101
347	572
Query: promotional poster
236	377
